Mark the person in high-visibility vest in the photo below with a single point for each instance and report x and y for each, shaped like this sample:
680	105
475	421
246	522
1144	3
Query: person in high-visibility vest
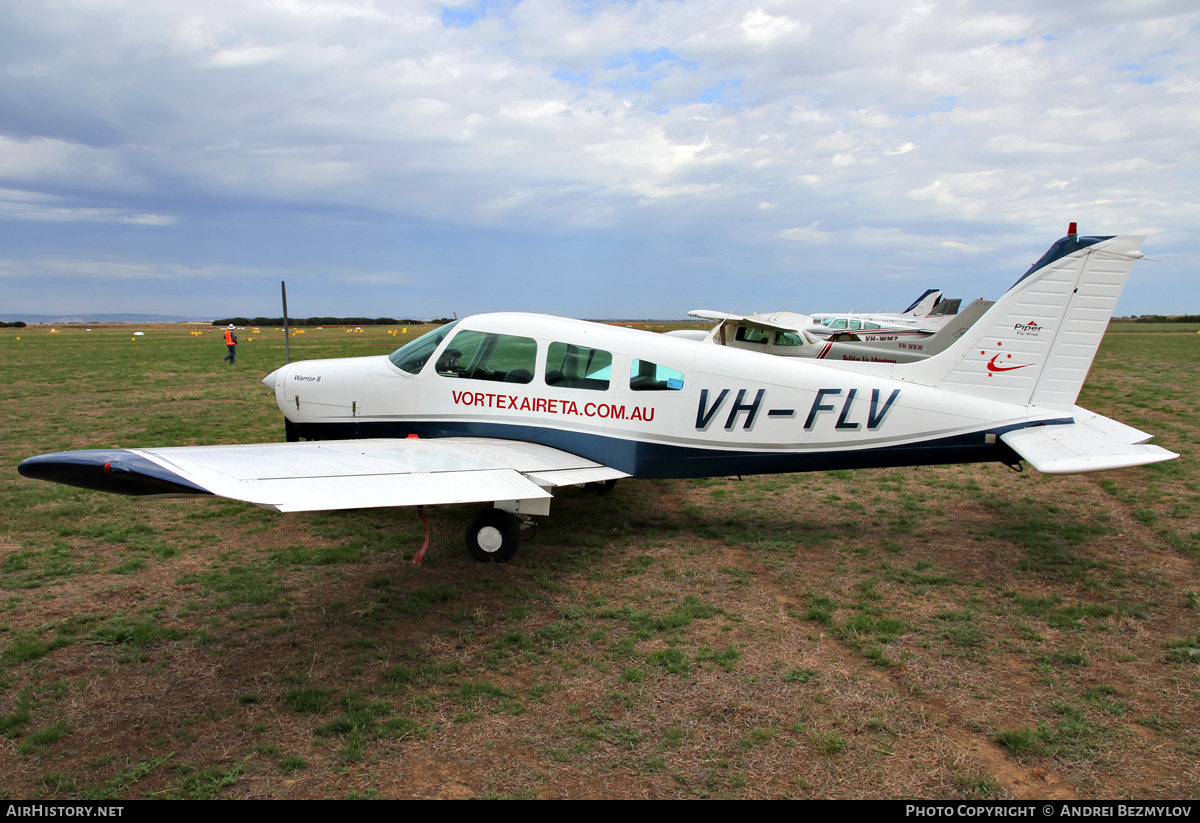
231	342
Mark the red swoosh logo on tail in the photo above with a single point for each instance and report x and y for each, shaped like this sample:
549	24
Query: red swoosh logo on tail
993	367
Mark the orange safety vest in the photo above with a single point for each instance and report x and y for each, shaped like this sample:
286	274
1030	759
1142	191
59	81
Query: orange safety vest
229	341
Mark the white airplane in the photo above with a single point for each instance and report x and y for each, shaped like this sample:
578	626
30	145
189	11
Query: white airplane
835	328
870	327
503	408
920	307
780	333
924	317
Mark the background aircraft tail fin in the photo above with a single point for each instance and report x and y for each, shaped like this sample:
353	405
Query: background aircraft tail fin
959	325
923	304
1036	345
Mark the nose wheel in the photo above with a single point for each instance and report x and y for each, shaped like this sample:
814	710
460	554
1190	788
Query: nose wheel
493	536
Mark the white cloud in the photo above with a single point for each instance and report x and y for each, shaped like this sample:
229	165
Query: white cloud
762	28
24	205
811	233
107	270
245	56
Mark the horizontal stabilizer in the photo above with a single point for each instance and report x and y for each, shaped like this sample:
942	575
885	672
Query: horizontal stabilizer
1077	448
1115	428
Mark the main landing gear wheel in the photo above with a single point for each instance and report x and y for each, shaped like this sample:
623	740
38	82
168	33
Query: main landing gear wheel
601	486
493	536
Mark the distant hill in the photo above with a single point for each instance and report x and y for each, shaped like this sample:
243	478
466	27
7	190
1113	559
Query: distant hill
102	318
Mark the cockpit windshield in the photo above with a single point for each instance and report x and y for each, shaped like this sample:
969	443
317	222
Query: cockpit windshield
411	357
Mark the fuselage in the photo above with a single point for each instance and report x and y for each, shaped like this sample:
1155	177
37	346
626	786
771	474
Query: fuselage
878	327
647	404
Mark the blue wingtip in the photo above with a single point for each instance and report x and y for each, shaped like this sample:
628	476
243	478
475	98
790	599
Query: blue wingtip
118	471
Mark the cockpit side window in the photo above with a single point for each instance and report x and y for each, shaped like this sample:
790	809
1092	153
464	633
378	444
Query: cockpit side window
411	357
477	355
578	367
746	334
647	376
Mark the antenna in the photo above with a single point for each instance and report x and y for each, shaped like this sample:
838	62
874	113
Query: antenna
287	345
720	327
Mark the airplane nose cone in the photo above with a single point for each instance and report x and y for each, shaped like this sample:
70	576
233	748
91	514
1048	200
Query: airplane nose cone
269	380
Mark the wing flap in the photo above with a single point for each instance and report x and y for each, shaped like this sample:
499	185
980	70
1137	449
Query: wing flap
576	477
1076	448
376	491
327	458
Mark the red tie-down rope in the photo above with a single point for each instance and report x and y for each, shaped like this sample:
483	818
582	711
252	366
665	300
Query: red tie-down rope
421	554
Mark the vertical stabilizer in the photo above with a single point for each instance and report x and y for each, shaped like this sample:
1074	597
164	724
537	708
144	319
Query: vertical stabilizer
924	304
959	325
1036	345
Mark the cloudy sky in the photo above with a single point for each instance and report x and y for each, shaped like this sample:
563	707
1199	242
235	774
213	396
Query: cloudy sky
598	159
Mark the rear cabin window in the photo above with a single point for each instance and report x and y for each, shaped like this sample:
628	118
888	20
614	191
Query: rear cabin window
477	355
787	338
578	367
647	376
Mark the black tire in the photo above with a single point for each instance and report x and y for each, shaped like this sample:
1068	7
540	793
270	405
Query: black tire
493	536
601	486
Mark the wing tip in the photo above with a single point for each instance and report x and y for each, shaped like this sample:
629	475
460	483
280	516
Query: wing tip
118	471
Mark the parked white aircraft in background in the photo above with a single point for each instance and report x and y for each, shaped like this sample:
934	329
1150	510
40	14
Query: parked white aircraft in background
502	408
920	307
871	327
779	333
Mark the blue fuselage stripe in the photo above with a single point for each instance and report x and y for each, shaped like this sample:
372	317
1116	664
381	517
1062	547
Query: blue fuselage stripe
660	460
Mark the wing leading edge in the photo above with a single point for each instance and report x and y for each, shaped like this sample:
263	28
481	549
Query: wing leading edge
326	475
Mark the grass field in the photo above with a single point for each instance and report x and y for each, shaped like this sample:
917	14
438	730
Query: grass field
954	632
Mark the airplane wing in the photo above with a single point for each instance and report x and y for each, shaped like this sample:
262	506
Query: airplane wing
1092	443
706	314
333	474
753	321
